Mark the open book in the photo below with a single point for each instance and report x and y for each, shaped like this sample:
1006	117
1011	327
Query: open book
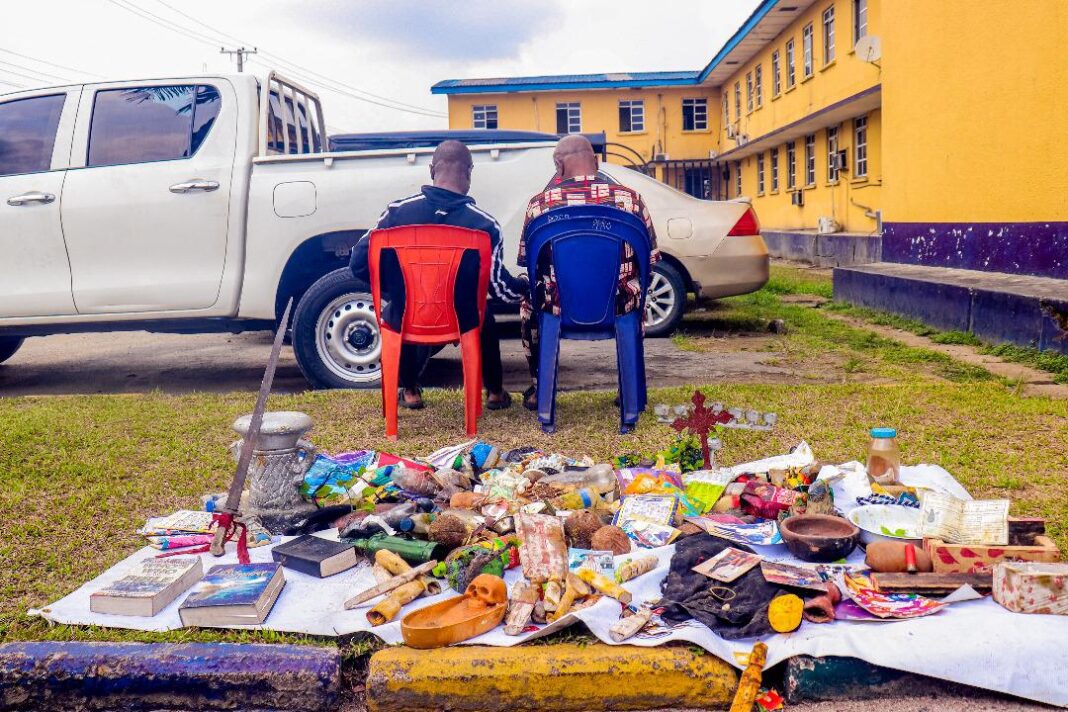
957	521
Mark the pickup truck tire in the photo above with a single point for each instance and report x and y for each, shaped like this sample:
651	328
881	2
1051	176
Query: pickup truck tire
665	302
335	333
8	346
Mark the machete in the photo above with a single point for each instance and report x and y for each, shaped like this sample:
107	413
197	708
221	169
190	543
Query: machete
225	528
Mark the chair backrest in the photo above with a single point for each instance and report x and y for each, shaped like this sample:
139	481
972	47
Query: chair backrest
587	246
436	307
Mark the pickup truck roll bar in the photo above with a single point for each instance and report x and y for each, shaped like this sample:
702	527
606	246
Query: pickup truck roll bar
294	97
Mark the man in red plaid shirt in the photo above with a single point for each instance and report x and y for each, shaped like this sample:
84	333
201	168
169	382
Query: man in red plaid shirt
577	182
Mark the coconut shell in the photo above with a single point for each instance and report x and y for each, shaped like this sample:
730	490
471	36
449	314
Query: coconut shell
611	538
580	527
448	530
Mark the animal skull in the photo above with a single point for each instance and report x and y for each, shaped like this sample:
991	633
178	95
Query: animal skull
487	590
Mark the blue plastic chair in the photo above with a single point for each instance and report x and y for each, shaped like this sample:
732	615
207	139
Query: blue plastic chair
587	243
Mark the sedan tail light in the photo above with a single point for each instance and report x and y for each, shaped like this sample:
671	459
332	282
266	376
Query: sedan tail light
746	225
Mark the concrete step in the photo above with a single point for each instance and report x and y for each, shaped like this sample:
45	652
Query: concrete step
995	306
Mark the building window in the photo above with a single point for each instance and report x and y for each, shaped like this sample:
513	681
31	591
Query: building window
760	174
832	151
810	159
569	118
758	81
806	51
749	92
828	35
631	116
738	100
726	111
773	155
860	146
484	116
791	66
737	179
791	166
695	114
776	80
860	20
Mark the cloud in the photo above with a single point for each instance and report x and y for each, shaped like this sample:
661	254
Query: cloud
472	30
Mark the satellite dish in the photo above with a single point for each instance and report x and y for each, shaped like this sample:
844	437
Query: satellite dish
869	48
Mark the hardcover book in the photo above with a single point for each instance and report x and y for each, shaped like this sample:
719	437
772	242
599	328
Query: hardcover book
233	594
315	556
149	588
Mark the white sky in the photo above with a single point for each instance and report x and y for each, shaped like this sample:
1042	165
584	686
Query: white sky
392	48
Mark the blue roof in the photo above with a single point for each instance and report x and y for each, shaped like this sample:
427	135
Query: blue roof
622	80
565	81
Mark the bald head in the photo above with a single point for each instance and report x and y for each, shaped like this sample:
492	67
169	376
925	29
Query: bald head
451	167
574	156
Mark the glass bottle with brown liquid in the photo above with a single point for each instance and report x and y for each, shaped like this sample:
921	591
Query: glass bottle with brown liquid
884	457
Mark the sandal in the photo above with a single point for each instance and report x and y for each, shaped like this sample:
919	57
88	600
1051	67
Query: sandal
530	398
504	403
403	402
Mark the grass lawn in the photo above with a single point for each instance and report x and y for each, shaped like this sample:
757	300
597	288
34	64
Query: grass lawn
80	474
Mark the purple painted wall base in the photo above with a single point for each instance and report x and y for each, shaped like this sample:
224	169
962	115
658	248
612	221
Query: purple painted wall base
138	677
1038	249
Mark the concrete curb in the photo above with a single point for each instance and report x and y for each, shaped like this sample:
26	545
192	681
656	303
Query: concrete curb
143	676
564	678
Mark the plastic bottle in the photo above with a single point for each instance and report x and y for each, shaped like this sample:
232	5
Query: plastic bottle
601	478
884	457
394	515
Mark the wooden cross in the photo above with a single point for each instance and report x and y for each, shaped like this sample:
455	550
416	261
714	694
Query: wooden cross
701	422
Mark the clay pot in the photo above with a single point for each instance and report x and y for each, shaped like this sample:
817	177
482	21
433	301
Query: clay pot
819	537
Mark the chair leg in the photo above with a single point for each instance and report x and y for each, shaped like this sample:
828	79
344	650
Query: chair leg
471	355
391	349
631	361
548	360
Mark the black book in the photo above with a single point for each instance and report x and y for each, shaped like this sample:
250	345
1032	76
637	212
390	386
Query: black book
315	556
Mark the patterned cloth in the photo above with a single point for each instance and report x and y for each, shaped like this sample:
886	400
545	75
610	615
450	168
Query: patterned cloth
597	189
589	190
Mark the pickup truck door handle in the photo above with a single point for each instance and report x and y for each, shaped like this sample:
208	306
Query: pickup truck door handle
195	186
30	199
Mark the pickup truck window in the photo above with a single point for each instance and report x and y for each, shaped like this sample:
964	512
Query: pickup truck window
28	133
146	124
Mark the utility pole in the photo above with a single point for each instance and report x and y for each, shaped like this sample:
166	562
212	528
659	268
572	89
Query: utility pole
240	53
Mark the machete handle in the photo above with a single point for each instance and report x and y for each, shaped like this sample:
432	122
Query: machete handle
218	544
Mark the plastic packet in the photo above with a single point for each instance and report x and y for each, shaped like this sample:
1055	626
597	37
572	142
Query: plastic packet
648	534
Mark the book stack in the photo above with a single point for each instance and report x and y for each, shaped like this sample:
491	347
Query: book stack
315	556
183	528
233	594
148	589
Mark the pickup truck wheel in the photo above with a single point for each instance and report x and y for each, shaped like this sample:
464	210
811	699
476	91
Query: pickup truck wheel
335	333
665	301
8	346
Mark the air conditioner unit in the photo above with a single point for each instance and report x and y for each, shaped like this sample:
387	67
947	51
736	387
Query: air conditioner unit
660	157
731	131
841	161
712	153
826	226
797	197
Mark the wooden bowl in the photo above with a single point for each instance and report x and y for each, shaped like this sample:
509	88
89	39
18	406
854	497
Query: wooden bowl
421	628
819	537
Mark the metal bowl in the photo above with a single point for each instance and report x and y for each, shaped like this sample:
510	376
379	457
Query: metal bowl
887	522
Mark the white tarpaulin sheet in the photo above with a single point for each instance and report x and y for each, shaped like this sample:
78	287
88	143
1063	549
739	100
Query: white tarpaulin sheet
975	642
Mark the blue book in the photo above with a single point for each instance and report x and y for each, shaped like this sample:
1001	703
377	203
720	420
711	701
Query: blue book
233	594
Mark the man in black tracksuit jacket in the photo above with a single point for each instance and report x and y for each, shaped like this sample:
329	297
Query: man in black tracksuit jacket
446	202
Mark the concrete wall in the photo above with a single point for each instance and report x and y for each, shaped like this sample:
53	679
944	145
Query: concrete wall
975	96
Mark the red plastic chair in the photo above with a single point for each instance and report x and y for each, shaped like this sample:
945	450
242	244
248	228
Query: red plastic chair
429	258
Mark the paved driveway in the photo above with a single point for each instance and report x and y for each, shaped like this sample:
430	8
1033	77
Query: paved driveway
138	362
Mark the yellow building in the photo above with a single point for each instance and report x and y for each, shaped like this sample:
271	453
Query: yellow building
923	136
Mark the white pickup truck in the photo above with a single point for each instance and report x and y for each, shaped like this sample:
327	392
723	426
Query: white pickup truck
201	204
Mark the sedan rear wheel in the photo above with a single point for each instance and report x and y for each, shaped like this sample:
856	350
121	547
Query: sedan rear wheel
665	301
